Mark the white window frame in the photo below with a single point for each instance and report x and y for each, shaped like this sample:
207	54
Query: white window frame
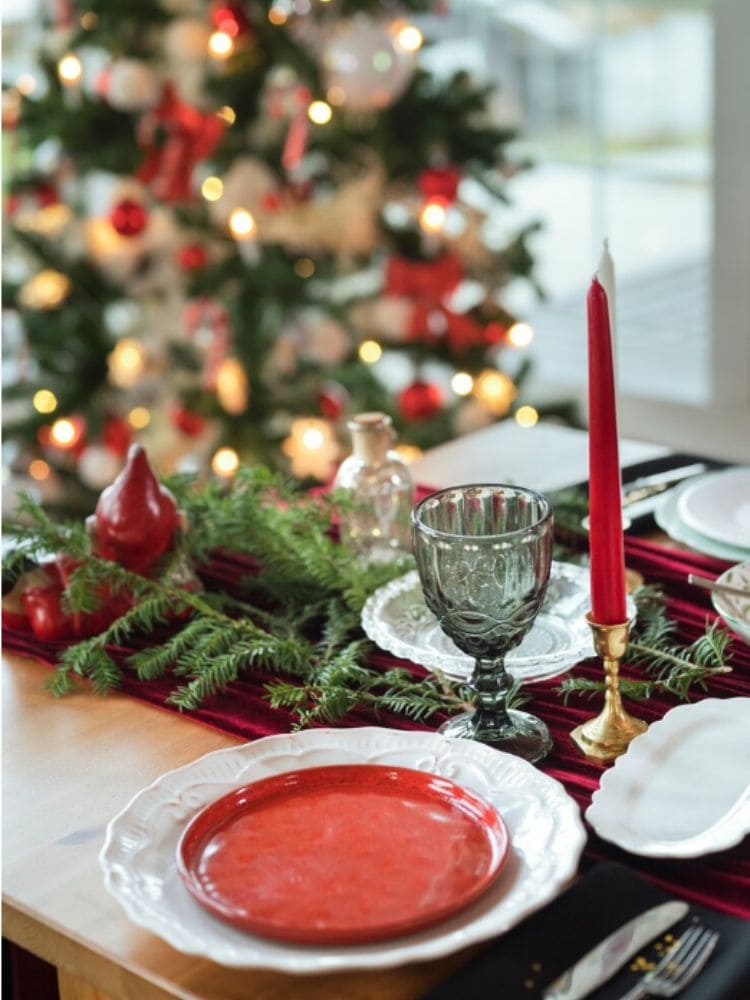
721	427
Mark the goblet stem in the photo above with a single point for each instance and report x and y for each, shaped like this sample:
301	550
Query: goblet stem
491	721
491	685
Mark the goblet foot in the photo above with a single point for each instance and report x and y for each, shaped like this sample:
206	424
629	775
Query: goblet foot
521	734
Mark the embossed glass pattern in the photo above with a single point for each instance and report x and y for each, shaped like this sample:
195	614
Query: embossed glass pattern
484	553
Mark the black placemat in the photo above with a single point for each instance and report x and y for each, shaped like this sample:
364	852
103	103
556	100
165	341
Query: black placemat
521	963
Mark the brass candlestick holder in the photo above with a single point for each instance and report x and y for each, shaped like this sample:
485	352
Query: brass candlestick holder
610	733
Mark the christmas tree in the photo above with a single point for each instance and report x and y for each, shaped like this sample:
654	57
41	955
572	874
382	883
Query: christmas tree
235	224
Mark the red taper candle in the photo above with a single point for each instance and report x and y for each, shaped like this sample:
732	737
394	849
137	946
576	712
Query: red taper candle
606	542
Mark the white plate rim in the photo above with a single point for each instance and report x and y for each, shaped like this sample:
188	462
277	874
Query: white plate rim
668	519
528	670
170	801
715	532
628	772
723	603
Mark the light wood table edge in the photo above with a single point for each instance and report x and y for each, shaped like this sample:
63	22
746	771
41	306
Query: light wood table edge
81	963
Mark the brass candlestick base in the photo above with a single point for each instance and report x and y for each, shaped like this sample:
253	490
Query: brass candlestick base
609	734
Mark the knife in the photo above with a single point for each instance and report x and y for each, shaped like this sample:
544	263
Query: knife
599	964
641	496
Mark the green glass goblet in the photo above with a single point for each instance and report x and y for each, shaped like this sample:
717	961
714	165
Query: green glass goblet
483	553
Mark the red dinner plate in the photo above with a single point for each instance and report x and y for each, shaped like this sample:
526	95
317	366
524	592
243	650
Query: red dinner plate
342	854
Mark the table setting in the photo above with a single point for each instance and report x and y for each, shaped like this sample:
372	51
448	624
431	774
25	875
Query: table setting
478	744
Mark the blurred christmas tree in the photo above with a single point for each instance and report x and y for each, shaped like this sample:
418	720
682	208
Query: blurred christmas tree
228	219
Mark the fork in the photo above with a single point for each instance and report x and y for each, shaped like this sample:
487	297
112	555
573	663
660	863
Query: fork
679	967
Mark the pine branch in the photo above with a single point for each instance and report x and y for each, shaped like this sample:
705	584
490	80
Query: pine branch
669	666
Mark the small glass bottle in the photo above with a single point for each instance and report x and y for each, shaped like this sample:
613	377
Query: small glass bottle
376	526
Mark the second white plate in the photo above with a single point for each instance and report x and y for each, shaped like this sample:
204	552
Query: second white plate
668	518
397	619
682	789
718	506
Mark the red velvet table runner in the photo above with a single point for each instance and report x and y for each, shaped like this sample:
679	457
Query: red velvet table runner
721	881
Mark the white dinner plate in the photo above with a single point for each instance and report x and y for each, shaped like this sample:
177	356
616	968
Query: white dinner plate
668	518
397	619
139	854
682	789
735	610
718	506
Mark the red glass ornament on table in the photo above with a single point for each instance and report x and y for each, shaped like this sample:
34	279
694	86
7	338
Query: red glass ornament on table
134	524
136	517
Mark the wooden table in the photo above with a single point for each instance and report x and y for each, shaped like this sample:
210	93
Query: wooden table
69	767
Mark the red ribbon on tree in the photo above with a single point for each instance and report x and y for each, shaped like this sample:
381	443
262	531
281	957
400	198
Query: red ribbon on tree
176	137
439	182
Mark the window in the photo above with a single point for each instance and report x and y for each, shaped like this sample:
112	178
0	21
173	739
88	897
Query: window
634	115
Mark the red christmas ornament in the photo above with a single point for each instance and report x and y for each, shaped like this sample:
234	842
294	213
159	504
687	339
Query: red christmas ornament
332	400
439	182
128	217
41	599
116	435
230	18
191	257
420	401
187	421
46	194
136	517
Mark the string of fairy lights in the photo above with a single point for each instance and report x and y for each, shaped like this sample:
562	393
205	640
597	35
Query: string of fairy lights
311	439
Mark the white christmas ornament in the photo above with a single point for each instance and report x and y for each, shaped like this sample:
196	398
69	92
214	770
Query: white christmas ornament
132	86
364	68
122	317
186	39
385	318
325	339
98	466
185	44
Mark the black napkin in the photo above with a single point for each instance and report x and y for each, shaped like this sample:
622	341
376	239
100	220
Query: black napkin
521	963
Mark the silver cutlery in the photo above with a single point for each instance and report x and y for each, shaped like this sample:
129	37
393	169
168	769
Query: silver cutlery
679	967
601	963
657	482
641	496
719	588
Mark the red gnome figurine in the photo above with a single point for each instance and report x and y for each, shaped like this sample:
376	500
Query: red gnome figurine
136	517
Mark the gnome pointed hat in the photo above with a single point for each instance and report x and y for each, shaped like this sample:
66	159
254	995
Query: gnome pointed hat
135	517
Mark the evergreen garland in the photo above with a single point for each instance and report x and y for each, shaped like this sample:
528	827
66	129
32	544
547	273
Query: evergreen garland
299	619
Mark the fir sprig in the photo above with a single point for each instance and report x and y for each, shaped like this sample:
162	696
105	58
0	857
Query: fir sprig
298	620
653	648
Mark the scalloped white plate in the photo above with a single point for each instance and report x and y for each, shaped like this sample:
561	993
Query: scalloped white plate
139	854
717	506
682	789
397	619
735	610
668	518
